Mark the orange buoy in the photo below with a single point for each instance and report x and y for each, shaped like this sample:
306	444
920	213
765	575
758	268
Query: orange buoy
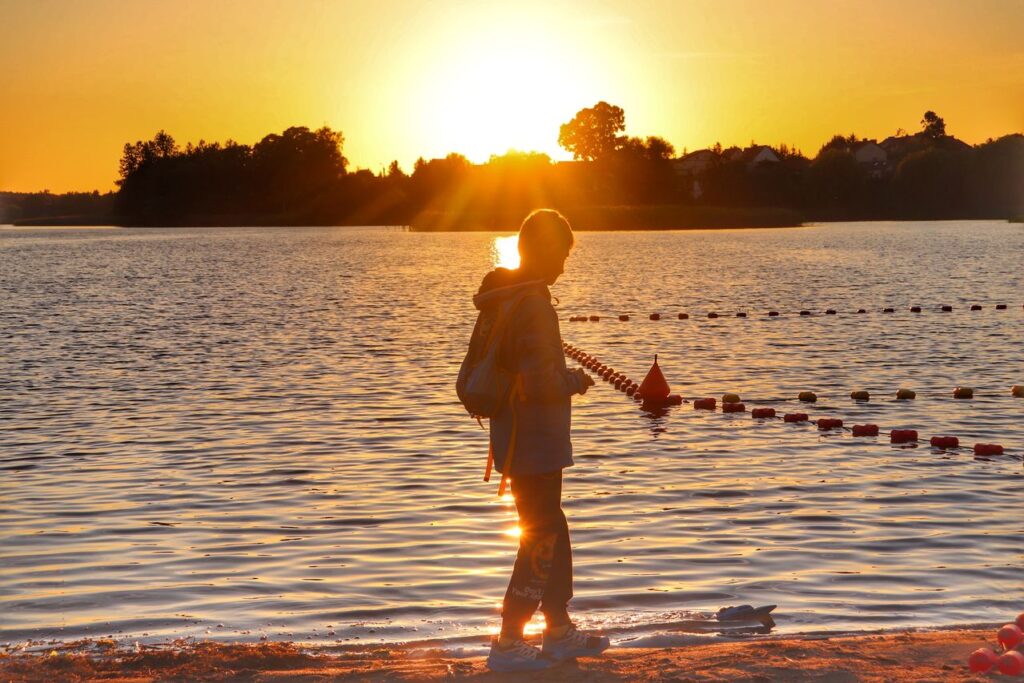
762	412
865	430
902	435
704	404
712	315
623	318
906	394
655	316
684	316
945	442
595	318
631	389
963	392
1017	391
1009	636
826	423
655	386
733	408
860	396
730	398
807	396
674	400
988	449
947	309
795	417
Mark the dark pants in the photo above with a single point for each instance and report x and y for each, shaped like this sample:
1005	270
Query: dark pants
543	571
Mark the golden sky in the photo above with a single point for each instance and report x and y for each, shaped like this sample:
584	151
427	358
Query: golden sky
78	79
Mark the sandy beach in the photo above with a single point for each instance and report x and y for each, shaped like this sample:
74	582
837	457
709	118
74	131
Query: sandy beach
900	656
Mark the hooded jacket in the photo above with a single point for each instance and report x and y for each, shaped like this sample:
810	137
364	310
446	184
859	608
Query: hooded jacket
532	348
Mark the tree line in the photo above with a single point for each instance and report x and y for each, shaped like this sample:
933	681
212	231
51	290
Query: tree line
301	177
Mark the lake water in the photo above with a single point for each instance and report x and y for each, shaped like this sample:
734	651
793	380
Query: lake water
239	433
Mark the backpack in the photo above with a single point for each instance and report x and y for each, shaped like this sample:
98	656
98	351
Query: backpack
484	387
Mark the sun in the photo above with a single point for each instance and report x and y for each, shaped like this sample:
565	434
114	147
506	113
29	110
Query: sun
497	93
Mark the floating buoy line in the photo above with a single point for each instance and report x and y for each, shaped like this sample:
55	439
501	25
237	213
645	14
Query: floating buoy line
777	314
654	392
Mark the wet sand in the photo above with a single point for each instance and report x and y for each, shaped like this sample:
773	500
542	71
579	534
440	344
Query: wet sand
899	656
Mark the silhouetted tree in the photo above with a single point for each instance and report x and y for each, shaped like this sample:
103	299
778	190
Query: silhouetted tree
933	125
593	132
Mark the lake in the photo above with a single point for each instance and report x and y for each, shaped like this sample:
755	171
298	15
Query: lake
240	433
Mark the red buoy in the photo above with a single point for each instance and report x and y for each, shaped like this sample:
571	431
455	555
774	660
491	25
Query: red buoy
733	408
595	318
988	449
773	314
947	309
1011	663
1000	307
741	314
826	423
830	311
915	309
975	307
631	389
762	412
704	404
655	387
865	430
674	400
1009	635
982	659
888	310
862	310
902	435
805	312
712	315
945	442
655	316
623	318
684	316
795	417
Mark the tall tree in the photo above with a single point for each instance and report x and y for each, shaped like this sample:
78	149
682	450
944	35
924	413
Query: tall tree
594	132
933	125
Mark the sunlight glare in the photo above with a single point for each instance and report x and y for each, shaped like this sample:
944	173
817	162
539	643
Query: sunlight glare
506	252
514	532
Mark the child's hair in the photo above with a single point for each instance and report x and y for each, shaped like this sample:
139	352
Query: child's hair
543	231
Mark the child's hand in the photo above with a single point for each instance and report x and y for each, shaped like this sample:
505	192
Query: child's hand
586	381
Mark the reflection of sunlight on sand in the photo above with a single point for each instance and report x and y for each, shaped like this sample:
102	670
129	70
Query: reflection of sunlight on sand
506	251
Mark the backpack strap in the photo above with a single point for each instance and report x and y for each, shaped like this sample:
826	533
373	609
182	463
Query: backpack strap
517	392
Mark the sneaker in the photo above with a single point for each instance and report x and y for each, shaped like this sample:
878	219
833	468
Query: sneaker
574	644
519	656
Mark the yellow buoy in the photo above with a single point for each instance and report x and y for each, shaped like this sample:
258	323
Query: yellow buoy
730	398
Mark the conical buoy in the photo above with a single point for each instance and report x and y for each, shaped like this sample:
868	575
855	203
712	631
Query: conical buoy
654	387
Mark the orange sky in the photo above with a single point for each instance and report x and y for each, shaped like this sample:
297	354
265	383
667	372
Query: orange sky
405	79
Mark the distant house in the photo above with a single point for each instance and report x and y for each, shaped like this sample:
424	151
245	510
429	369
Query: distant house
694	162
760	154
872	157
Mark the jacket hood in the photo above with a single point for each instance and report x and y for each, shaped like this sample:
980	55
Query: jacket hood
502	284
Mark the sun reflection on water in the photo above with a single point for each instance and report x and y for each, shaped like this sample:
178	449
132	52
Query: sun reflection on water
506	251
